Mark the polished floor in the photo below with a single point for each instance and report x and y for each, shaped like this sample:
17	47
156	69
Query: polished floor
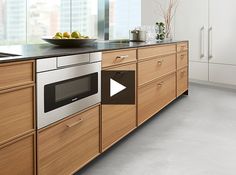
195	135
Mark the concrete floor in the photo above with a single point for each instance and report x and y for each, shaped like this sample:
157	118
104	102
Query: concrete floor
195	135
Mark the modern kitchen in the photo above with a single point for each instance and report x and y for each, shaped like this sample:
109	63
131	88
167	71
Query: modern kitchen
122	87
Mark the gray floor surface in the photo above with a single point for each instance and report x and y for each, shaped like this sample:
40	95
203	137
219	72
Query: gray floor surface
195	135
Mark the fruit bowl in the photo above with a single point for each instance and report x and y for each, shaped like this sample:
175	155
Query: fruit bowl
69	42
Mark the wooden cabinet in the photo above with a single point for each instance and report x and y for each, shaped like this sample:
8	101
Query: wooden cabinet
152	69
155	51
17	118
16	112
117	120
16	74
17	157
182	59
182	81
182	46
66	147
154	96
119	57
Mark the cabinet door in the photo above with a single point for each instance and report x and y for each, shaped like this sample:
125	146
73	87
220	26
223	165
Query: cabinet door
17	158
69	145
117	120
222	41
191	23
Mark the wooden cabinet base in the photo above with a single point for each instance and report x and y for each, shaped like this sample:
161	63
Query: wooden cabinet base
117	121
18	157
66	147
153	97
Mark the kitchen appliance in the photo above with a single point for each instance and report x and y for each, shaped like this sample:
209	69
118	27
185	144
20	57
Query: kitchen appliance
67	85
137	35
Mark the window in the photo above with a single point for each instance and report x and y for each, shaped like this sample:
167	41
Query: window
12	21
45	18
26	21
84	17
124	15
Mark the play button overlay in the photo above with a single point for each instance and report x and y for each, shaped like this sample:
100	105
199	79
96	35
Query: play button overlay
118	87
115	87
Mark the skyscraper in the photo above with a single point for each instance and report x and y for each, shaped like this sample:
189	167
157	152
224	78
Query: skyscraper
15	20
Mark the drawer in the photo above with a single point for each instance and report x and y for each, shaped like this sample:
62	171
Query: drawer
67	146
117	120
181	47
152	69
16	74
16	112
182	59
150	52
118	57
182	81
153	97
18	157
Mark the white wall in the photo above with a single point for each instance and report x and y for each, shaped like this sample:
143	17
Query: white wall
151	12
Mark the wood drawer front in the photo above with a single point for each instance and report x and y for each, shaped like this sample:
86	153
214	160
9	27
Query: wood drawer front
181	47
153	97
182	59
66	147
16	112
150	52
155	68
117	121
182	81
16	74
118	57
18	158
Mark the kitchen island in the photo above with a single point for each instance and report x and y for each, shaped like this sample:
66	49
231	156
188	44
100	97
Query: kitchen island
64	147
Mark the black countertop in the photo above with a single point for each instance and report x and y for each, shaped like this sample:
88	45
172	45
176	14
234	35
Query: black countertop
38	51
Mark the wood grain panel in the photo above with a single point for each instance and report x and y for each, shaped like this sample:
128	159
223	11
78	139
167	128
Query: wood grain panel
16	112
118	57
117	120
154	51
155	68
16	74
66	147
17	158
153	97
182	81
182	59
182	46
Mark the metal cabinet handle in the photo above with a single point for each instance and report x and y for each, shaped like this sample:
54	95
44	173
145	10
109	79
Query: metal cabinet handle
210	55
202	43
75	124
159	62
160	84
122	57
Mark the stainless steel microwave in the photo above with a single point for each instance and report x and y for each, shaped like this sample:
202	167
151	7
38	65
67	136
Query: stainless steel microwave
67	85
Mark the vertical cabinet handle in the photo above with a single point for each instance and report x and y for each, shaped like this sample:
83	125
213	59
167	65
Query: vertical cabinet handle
210	55
202	45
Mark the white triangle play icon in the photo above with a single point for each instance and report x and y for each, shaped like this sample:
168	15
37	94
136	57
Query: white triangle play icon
115	87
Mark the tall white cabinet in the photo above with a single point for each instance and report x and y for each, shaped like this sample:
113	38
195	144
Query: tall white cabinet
210	27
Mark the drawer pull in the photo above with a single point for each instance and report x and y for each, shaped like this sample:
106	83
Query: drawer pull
182	73
75	124
182	57
159	62
122	57
160	84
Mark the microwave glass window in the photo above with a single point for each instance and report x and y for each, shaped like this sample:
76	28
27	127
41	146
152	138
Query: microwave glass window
72	88
65	92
